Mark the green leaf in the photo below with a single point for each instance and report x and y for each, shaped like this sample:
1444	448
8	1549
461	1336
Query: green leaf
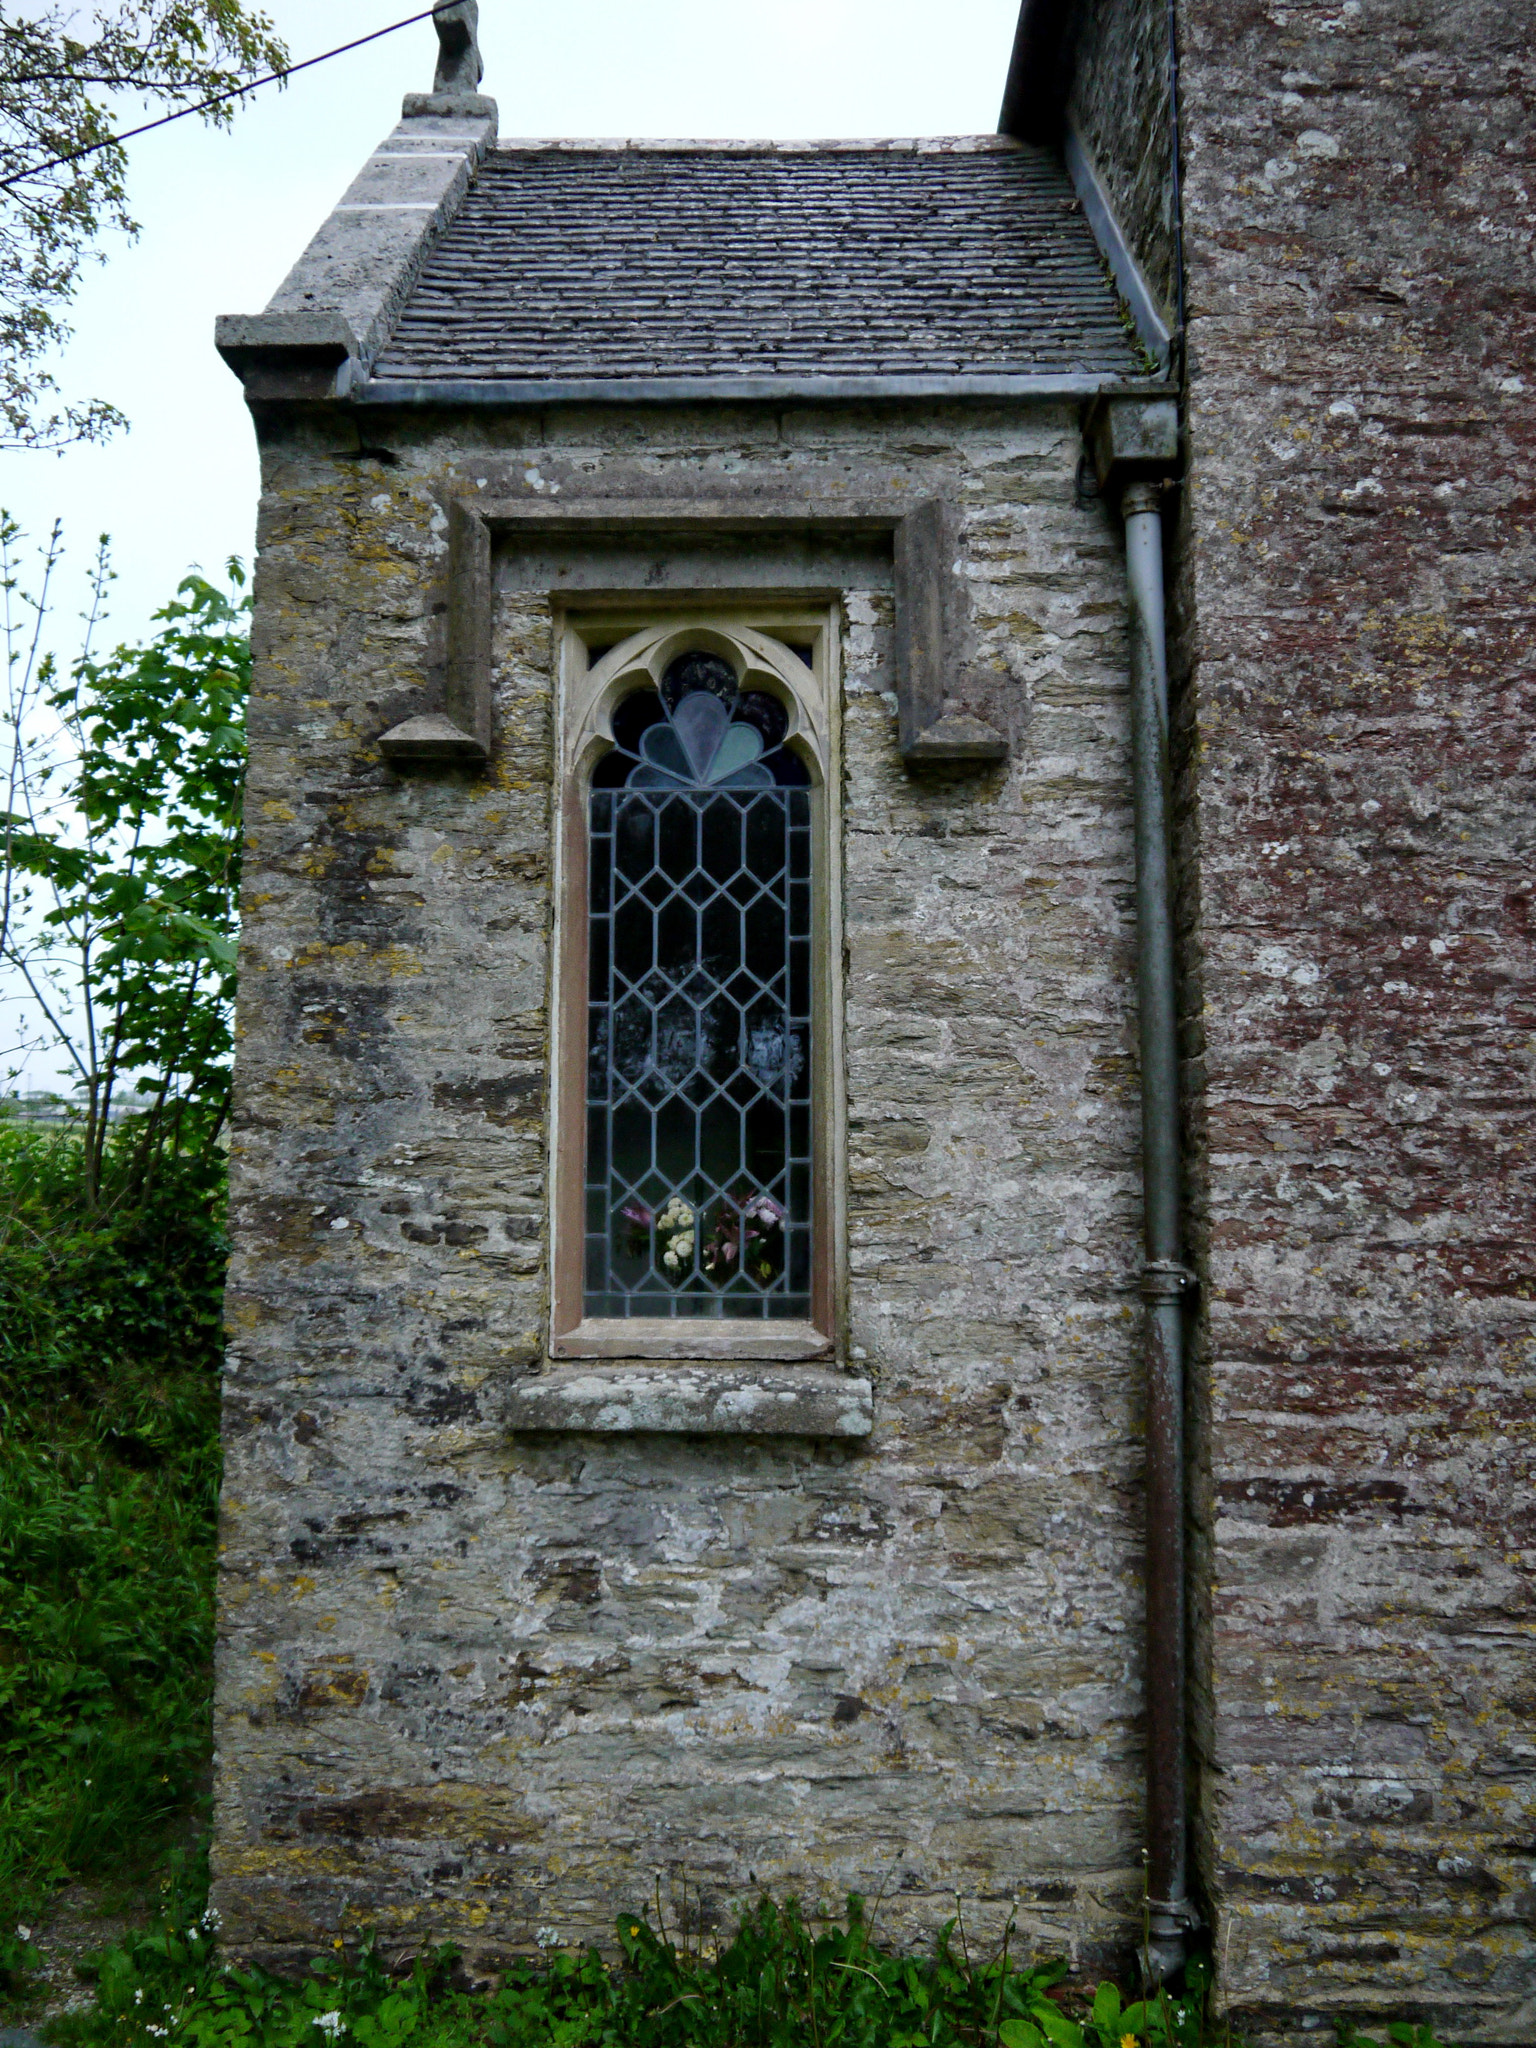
1105	2012
1020	2034
1056	2027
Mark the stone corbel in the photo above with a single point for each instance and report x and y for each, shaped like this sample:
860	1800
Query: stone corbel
459	734
290	354
932	621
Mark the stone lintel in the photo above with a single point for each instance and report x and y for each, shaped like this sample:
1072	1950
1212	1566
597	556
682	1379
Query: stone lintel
934	641
693	1399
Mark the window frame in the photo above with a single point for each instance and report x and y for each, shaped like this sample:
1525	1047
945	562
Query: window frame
603	651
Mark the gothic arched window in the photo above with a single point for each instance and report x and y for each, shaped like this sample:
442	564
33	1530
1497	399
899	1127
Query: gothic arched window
703	1072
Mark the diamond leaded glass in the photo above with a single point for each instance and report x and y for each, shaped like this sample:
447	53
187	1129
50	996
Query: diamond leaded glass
698	1150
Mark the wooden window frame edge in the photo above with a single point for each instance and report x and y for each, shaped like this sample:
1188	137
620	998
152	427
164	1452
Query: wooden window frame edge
704	1338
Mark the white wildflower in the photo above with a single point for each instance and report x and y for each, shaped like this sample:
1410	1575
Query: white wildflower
159	2032
212	1920
23	1933
331	2024
138	1996
548	1937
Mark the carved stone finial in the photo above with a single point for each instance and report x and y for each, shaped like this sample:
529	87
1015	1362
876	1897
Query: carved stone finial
459	67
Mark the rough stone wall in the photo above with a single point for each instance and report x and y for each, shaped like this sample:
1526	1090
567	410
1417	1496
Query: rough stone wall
476	1686
1359	568
1121	103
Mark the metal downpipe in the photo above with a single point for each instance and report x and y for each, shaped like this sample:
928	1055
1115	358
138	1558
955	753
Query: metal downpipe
1164	1277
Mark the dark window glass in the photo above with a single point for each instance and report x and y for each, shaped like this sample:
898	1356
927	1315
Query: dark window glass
698	1181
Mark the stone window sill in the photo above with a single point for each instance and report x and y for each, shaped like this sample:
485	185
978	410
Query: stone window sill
683	1399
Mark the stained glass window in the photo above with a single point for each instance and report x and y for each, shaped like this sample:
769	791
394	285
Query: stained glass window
698	1184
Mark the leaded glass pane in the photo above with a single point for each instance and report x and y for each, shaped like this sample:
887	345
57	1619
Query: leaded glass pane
698	1166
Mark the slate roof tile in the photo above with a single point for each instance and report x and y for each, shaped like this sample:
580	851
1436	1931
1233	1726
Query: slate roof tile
686	262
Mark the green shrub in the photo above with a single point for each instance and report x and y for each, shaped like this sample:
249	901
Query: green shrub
110	1341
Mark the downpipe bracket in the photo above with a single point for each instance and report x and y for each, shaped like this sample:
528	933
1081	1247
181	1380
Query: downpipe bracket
1167	1280
1176	1913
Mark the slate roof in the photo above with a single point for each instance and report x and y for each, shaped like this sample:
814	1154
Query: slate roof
709	261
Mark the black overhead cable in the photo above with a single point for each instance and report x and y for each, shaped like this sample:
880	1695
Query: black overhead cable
235	92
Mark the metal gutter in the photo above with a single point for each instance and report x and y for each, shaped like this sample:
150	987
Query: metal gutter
1151	321
526	391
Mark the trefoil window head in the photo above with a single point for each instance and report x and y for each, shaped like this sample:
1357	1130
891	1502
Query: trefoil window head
701	730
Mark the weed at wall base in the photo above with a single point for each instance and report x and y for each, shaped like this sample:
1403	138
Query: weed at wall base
784	1979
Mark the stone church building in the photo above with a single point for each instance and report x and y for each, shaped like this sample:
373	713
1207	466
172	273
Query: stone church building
882	1177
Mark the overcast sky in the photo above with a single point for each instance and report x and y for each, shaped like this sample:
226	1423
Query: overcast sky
224	215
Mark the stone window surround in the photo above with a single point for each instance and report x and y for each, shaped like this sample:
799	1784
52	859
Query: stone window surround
733	1395
755	637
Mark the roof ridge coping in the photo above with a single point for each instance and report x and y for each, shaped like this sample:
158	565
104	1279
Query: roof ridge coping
652	145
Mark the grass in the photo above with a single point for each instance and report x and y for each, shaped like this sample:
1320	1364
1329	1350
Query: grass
109	1355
